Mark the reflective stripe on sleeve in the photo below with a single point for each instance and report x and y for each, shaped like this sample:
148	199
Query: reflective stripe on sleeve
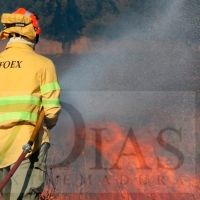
49	87
19	116
51	102
19	100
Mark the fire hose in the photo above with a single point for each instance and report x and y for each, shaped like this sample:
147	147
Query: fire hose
26	149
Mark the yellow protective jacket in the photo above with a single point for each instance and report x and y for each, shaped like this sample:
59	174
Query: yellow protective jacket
27	82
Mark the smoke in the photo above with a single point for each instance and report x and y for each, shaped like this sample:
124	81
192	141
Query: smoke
145	54
114	79
138	78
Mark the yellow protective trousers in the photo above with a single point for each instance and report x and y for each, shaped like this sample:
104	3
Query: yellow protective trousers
28	181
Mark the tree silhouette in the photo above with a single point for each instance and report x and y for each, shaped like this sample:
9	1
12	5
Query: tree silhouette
67	22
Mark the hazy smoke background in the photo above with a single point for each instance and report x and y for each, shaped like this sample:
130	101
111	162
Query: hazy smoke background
145	53
131	80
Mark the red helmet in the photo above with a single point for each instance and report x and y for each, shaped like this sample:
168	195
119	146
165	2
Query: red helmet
33	17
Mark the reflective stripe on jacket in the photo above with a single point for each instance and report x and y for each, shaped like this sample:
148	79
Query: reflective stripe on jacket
28	81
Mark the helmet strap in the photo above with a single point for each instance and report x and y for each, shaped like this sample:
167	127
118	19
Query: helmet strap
37	38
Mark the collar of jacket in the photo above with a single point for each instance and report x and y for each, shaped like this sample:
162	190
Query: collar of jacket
18	45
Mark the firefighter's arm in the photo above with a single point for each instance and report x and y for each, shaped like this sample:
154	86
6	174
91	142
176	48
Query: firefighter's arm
50	92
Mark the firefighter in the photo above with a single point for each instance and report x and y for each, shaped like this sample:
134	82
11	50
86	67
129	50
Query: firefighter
28	82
